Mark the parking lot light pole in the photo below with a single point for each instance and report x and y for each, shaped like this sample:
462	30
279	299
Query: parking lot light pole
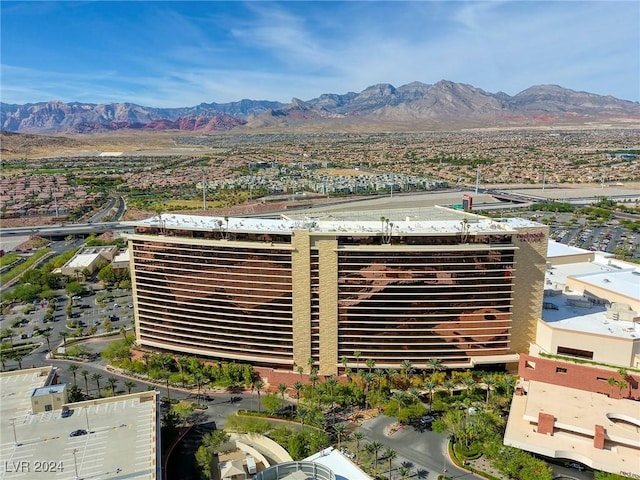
75	461
86	414
13	424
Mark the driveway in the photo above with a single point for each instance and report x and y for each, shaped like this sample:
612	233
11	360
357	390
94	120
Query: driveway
423	452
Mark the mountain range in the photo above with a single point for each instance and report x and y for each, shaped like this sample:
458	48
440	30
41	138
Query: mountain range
444	104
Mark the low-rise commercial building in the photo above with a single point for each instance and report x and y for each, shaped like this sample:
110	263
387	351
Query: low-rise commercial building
108	438
578	396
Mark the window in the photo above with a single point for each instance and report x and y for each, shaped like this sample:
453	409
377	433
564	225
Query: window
561	370
574	352
529	364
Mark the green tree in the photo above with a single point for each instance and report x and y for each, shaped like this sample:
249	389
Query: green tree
357	438
430	386
282	388
341	430
96	377
271	403
375	448
489	381
129	384
390	455
73	368
258	385
85	373
357	355
298	387
112	381
404	472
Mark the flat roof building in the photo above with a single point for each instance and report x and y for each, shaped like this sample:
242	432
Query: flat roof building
414	284
578	393
106	438
88	259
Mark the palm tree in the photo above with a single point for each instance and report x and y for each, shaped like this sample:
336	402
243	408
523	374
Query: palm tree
96	378
399	398
47	335
145	358
165	375
449	386
340	429
367	378
300	369
390	454
18	356
404	472
375	447
73	368
370	363
489	381
357	437
63	335
282	388
469	383
298	387
331	385
435	364
129	384
407	367
85	373
258	385
310	363
302	412
357	354
345	362
112	383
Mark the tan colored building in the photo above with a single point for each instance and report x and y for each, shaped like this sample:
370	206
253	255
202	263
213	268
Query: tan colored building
46	399
340	289
578	396
88	259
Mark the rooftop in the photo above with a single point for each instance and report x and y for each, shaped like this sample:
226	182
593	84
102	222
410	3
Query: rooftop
343	468
50	390
120	441
571	309
576	413
428	220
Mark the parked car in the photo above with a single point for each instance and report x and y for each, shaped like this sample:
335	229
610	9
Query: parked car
66	412
575	466
78	433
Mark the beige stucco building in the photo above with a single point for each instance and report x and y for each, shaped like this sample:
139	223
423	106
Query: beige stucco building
578	396
333	291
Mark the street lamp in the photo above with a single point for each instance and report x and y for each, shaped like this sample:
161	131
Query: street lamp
75	462
86	414
13	424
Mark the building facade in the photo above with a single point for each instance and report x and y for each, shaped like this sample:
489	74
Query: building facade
334	292
578	393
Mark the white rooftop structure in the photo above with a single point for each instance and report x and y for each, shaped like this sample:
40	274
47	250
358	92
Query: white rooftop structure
428	220
569	307
343	467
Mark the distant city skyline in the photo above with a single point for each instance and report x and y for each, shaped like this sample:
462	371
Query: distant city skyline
175	54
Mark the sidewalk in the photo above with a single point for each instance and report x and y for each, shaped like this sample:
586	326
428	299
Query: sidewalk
484	465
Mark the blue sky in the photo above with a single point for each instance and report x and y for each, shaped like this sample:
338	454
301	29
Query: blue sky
172	54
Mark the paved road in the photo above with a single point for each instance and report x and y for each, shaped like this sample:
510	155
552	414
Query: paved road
423	452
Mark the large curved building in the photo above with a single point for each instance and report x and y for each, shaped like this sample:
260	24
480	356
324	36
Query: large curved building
339	289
